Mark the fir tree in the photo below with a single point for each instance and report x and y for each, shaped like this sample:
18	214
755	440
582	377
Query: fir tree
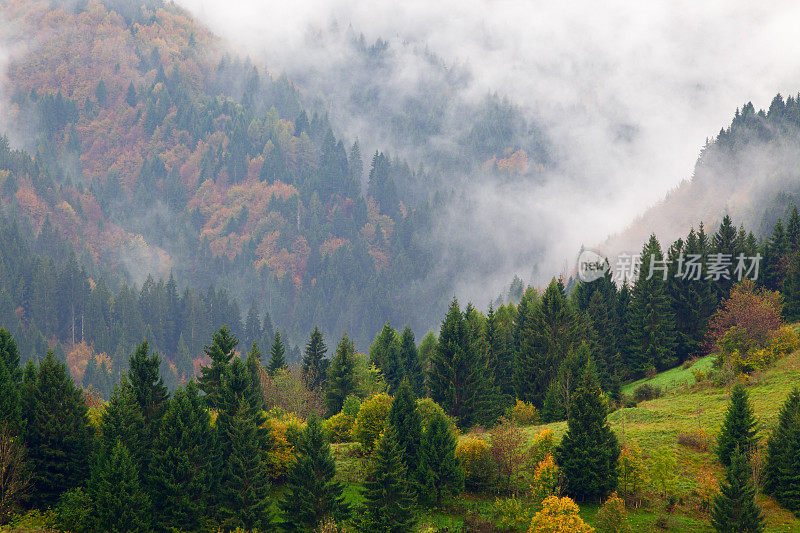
734	509
118	501
791	289
782	472
10	381
254	371
341	379
130	96
500	361
407	422
312	494
389	500
314	362
151	394
589	451
443	475
181	470
56	430
122	421
412	367
221	351
739	429
385	355
277	360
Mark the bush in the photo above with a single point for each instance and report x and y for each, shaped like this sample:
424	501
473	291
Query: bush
73	512
427	408
707	488
511	514
285	429
646	391
559	515
370	420
476	459
612	516
695	439
339	428
523	414
546	479
543	445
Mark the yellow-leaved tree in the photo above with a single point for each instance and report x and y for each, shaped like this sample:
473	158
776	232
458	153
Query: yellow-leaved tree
559	515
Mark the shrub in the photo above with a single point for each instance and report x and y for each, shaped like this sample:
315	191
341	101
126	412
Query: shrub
511	514
546	479
427	408
523	414
707	488
476	459
646	391
543	444
339	427
612	517
370	420
559	515
695	439
73	512
284	429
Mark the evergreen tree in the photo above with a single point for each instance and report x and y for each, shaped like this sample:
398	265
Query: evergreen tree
130	96
341	379
312	494
254	371
409	357
314	362
739	429
10	381
181	470
56	430
151	394
791	288
651	322
118	501
122	421
389	500
734	509
385	355
589	451
500	361
407	422
221	351
782	472
443	475
277	360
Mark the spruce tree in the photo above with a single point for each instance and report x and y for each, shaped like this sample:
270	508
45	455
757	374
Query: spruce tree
314	362
118	501
130	96
782	472
277	360
151	394
442	472
407	422
181	469
312	495
341	379
385	355
409	357
56	430
589	451
122	421
734	509
739	429
10	382
221	351
254	370
389	500
791	288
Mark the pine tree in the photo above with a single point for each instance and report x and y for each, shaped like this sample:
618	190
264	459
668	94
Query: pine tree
122	421
314	362
312	494
500	361
407	422
118	501
589	451
385	355
254	370
56	430
277	360
782	472
389	500
10	381
651	322
341	379
734	509
221	351
443	475
151	394
409	357
181	470
739	429
130	96
791	289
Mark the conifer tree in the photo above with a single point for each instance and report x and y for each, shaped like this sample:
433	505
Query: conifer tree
791	288
314	362
389	500
277	360
151	394
130	96
253	364
341	379
312	494
409	357
651	322
589	451
118	501
181	470
500	361
734	509
782	472
385	355
221	351
56	430
10	381
443	475
122	421
739	429
407	422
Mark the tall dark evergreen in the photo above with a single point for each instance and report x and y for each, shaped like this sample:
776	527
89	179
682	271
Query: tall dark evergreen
443	475
782	471
739	428
723	248
122	421
410	360
312	494
56	431
341	380
151	394
407	422
500	361
734	509
10	381
314	362
277	359
385	355
181	469
254	371
221	352
389	498
589	451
